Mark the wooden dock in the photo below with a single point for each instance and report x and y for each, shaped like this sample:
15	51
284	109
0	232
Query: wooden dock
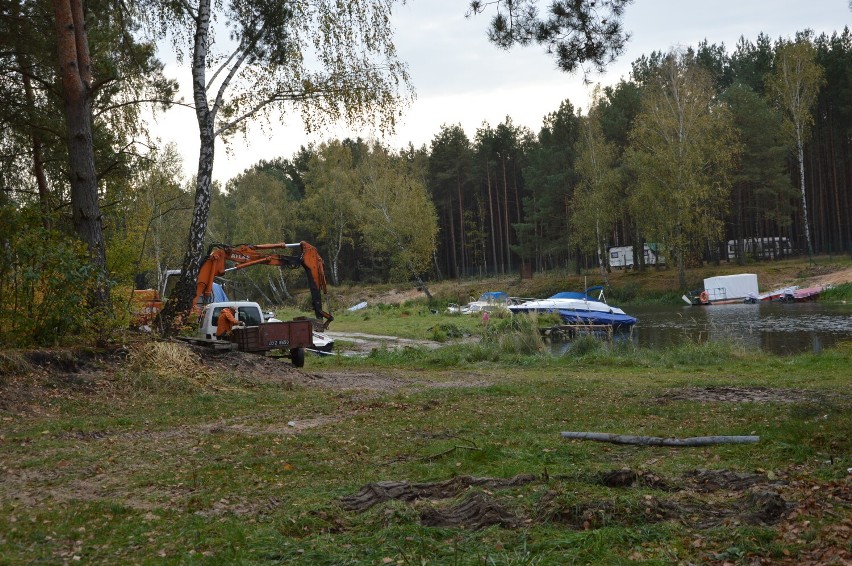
572	330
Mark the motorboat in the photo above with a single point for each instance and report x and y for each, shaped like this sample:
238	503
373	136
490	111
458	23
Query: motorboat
489	302
323	343
586	308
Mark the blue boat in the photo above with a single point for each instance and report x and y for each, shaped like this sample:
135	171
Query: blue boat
588	307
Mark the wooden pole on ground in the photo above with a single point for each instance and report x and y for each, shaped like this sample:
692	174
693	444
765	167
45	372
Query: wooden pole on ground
658	441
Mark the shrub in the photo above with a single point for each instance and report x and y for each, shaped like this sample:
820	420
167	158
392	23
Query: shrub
45	282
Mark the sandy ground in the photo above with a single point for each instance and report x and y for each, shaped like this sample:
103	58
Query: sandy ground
834	278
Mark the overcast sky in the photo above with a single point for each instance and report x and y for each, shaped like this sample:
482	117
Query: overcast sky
460	78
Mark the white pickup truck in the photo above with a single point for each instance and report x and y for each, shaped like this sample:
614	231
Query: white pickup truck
260	332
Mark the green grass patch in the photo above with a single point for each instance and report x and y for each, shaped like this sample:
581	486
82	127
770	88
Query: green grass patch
254	472
837	293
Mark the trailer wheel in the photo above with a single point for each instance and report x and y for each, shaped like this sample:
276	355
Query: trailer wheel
298	357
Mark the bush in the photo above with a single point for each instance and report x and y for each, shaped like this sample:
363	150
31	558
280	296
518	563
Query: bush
842	292
45	282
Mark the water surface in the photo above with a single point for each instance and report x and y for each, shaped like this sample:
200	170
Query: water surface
774	327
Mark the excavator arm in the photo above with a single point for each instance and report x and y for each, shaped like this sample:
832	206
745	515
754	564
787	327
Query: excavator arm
246	255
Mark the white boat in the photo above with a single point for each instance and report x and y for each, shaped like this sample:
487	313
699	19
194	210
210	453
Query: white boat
725	290
588	307
490	301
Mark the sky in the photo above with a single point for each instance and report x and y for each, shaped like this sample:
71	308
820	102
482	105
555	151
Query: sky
461	78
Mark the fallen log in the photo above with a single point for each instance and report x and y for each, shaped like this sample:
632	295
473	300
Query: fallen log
659	441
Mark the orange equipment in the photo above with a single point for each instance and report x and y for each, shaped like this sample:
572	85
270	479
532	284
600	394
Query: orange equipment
246	255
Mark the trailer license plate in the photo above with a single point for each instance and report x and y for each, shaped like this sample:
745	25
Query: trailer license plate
278	343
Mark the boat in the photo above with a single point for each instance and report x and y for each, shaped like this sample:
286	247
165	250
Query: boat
742	288
586	308
323	344
489	302
781	294
724	290
806	294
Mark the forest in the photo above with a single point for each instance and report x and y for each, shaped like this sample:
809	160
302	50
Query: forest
699	147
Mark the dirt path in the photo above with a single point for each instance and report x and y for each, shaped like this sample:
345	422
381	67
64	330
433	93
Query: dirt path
359	343
834	278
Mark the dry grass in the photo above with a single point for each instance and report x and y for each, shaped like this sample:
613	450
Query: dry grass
11	364
169	365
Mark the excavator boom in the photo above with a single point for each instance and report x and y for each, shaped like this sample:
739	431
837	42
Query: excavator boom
247	255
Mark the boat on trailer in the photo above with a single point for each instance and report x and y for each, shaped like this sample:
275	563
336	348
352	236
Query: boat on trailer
586	308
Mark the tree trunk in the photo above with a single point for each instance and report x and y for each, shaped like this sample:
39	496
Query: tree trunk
601	259
801	155
76	75
180	303
491	217
335	256
506	216
660	441
37	145
452	246
462	237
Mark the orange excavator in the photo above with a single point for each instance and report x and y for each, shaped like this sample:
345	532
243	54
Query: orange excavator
247	255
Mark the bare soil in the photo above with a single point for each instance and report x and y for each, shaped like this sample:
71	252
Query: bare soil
700	499
730	394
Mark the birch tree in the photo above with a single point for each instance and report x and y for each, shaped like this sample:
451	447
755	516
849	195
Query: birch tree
794	86
328	60
683	148
397	216
595	201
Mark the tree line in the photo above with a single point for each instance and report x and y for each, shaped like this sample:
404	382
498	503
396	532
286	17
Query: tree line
697	148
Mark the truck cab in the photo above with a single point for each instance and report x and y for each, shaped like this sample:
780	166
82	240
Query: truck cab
247	312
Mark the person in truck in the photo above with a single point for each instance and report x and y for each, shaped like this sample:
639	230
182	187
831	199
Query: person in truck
226	322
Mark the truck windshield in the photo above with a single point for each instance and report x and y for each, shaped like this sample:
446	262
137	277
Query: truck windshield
250	315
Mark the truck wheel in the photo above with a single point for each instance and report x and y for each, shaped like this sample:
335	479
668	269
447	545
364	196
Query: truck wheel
298	357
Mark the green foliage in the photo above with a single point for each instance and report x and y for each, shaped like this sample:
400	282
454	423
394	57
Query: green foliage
329	210
551	175
45	284
594	214
574	33
148	233
794	86
396	216
683	150
839	293
515	335
442	332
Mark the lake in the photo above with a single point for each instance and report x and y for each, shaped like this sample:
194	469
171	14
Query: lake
779	328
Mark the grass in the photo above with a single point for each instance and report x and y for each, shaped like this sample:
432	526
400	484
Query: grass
212	473
838	293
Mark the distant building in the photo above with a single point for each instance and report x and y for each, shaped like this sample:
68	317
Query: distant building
621	257
761	248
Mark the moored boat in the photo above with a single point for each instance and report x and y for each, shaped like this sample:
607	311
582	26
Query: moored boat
489	301
589	307
724	289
